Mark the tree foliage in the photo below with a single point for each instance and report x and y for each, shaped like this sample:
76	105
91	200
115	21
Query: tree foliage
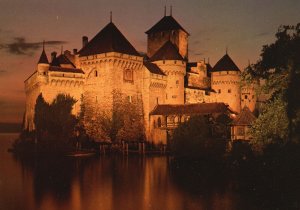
194	139
55	119
279	69
124	121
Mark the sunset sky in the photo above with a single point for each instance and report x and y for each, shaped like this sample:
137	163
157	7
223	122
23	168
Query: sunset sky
243	26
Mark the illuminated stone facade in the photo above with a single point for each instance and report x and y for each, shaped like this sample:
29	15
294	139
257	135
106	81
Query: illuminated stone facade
109	62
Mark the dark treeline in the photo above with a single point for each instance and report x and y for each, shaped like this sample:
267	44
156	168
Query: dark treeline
266	170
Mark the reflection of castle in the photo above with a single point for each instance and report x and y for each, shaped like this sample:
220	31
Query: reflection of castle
165	79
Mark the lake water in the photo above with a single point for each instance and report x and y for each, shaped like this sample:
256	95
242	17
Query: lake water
108	183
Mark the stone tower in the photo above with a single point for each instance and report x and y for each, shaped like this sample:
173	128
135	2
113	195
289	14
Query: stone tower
225	80
170	61
43	63
167	29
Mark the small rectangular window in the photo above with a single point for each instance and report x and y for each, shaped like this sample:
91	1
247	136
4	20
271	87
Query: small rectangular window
229	90
219	91
240	131
246	96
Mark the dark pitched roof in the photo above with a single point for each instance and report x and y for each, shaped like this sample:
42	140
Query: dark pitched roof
43	58
153	68
168	51
201	109
208	69
61	59
225	64
109	39
167	23
246	117
67	70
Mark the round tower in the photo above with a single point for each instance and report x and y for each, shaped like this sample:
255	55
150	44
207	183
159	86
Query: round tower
225	81
173	65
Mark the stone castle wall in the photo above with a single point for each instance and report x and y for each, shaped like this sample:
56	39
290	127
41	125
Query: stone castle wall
227	86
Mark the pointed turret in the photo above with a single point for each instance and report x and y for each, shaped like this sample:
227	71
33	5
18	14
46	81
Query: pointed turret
225	64
43	63
225	80
43	57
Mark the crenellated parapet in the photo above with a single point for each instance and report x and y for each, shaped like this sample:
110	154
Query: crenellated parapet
113	59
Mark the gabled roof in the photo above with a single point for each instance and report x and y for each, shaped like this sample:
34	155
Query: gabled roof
189	109
167	23
225	64
109	39
246	117
168	51
43	58
67	70
61	59
153	68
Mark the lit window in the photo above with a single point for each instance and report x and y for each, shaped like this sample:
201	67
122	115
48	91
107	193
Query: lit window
130	99
240	131
128	75
159	122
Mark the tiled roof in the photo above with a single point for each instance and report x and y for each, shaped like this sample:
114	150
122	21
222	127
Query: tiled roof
61	59
167	23
109	39
153	68
246	117
200	108
225	64
43	58
67	70
168	51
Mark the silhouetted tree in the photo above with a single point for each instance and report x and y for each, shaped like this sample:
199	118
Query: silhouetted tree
279	68
55	119
193	139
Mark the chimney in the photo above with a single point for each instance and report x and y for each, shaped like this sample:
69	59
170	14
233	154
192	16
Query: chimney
75	51
53	55
85	40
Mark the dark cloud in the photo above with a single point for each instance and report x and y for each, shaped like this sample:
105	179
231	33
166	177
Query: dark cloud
2	71
19	46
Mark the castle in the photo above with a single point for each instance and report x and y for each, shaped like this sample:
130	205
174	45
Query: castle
171	87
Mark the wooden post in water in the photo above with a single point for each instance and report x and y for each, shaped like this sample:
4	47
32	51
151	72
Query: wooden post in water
143	148
126	144
164	149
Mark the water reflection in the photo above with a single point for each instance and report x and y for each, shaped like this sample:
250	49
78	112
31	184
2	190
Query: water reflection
115	182
118	182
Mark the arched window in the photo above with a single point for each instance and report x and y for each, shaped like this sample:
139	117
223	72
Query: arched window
159	122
